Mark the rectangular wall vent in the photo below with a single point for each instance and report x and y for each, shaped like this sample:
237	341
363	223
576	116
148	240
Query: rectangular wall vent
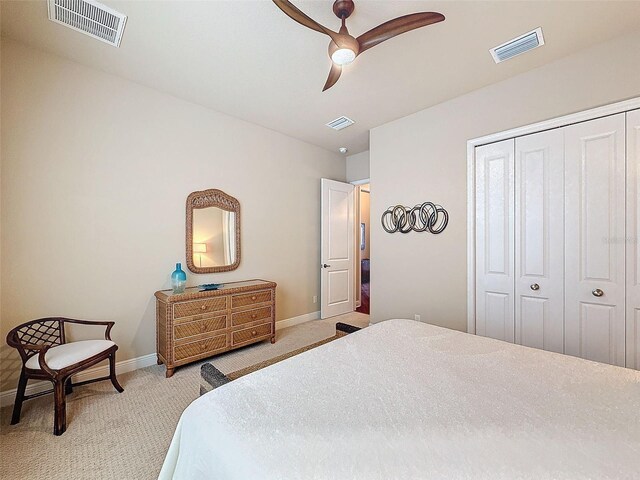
523	43
89	17
340	123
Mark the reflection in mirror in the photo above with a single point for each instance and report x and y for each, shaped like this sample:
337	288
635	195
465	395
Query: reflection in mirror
214	235
213	232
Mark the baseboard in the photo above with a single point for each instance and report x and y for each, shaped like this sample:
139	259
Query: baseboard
7	397
290	322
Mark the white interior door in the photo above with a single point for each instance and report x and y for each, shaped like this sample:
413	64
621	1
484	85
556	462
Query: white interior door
595	240
633	240
337	249
539	240
495	240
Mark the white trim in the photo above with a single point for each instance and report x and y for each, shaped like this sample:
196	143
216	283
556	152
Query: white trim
583	116
471	239
7	397
290	322
577	117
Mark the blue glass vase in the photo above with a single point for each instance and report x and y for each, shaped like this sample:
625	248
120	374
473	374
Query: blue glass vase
178	279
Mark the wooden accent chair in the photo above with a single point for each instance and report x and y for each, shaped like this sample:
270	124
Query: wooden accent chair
47	356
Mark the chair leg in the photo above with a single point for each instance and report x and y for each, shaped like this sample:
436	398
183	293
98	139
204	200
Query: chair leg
60	416
112	372
68	387
17	406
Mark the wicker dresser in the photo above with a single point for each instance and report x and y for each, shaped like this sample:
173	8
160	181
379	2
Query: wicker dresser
195	325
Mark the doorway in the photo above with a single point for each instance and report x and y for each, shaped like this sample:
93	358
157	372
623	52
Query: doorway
363	247
337	248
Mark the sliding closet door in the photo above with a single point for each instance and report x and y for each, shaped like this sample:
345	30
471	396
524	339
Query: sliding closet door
595	240
539	240
495	241
633	239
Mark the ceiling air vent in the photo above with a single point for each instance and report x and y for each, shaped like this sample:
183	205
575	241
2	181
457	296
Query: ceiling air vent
340	123
89	17
523	43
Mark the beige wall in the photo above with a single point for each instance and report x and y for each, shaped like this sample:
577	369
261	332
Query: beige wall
95	174
422	157
358	167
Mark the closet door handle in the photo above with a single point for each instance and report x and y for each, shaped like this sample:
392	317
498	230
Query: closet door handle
535	287
597	292
324	265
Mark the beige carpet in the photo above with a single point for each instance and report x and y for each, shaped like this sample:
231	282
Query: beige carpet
125	436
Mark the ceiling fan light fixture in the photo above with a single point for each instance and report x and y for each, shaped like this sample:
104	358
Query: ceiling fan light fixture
343	47
343	56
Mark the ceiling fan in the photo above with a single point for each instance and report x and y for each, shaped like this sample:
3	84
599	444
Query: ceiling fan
343	48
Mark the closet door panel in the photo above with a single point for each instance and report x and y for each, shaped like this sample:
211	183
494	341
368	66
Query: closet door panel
595	240
633	240
539	240
495	240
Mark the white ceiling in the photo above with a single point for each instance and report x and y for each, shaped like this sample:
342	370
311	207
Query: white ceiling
249	60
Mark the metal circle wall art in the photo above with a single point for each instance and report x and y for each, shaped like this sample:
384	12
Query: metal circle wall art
421	218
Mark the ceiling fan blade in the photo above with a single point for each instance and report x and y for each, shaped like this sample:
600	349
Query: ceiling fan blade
296	14
334	75
397	26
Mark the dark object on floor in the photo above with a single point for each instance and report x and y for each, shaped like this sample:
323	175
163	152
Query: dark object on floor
364	270
212	378
47	356
343	329
364	299
364	286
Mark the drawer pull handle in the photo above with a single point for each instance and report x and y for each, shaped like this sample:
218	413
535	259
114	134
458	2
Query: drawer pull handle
253	298
253	315
254	333
597	292
203	307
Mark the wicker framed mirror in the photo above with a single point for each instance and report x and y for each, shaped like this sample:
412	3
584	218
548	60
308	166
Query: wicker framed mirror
213	232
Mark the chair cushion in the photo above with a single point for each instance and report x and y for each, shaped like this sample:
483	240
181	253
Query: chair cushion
69	353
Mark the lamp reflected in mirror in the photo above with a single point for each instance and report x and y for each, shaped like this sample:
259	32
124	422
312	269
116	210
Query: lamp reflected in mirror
199	249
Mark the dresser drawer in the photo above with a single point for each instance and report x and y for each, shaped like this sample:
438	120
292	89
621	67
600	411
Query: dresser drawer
247	316
247	299
200	326
193	349
247	334
199	307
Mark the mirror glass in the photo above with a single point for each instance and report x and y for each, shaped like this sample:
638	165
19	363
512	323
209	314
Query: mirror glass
213	232
214	237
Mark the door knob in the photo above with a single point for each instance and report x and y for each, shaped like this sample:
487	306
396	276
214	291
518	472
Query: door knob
535	287
324	265
597	292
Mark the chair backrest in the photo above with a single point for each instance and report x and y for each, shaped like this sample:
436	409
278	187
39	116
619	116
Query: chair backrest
44	331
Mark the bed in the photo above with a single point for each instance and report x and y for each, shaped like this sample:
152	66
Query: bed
407	400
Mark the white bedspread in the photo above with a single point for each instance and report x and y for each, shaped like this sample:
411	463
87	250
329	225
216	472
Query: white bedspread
407	400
